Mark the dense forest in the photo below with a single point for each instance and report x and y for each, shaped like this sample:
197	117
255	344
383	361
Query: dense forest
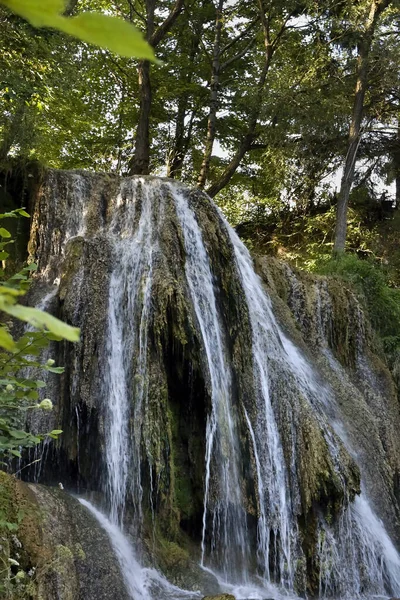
262	104
226	421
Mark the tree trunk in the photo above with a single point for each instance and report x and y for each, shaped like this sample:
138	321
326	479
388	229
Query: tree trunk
396	160
175	157
183	136
14	127
364	48
214	85
183	130
140	162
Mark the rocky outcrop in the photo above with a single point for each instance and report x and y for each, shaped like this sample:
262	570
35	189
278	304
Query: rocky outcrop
56	547
328	321
334	403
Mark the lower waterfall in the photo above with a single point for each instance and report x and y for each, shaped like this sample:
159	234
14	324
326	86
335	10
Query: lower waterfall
182	360
141	583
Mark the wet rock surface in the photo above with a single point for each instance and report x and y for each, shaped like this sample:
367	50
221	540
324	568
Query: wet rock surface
334	410
59	546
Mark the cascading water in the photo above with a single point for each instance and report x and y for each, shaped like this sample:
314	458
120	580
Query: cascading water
129	299
229	540
276	513
358	558
253	541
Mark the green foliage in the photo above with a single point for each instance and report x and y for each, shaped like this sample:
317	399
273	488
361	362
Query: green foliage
382	301
13	288
95	28
304	238
18	391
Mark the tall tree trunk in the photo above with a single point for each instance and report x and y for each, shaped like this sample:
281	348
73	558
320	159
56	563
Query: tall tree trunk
183	136
140	162
183	130
364	48
175	156
214	84
396	160
14	127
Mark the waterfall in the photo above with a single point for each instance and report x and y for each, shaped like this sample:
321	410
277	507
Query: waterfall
129	298
141	583
164	293
276	514
228	529
358	558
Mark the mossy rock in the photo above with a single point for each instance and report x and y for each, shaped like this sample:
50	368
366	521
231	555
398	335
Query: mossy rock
61	551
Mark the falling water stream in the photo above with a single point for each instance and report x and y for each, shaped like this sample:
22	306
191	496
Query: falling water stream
229	534
358	559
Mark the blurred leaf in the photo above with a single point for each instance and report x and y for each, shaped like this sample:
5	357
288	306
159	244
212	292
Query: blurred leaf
95	28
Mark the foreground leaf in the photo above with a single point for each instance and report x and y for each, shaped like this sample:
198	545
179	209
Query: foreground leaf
38	318
102	30
6	340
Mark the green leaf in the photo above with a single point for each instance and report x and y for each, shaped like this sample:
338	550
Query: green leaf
4	233
54	369
36	12
17	434
6	340
4	255
39	318
95	28
53	338
5	290
108	32
22	212
55	432
31	267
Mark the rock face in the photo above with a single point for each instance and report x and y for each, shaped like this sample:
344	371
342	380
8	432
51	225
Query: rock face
61	551
327	319
250	427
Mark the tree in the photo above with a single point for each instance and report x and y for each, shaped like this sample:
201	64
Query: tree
364	44
245	38
155	32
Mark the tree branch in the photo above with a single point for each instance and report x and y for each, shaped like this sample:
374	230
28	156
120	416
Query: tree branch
238	55
240	36
161	31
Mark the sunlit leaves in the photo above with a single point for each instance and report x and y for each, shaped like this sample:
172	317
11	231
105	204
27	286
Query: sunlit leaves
38	318
6	340
95	28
